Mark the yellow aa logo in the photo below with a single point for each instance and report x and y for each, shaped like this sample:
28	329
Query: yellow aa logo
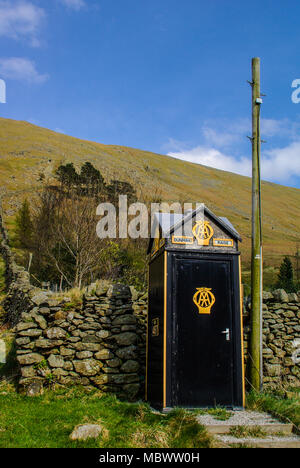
203	232
204	300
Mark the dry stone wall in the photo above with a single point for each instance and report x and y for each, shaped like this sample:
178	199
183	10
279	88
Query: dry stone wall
100	343
281	338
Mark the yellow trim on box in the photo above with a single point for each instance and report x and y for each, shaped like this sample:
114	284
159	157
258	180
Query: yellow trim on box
147	346
165	333
162	242
242	331
158	243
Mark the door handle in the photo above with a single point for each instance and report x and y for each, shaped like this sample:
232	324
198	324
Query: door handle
227	334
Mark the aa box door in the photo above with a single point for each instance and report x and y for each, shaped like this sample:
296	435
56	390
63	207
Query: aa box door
203	328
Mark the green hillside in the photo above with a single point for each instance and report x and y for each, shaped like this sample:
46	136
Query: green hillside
30	154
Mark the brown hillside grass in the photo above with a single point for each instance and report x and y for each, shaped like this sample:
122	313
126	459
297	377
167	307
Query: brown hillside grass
28	151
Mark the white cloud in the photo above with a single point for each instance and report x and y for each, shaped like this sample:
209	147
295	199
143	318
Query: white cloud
21	19
214	158
59	130
270	127
284	128
223	147
282	164
74	4
278	165
22	69
224	133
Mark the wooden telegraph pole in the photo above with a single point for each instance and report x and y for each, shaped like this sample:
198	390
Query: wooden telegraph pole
256	259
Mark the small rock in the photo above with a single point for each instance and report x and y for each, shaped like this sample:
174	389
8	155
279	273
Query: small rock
84	355
130	352
22	341
28	371
293	297
40	321
67	352
32	332
58	372
56	361
123	378
103	334
46	344
126	339
273	370
60	315
87	368
280	295
134	293
104	354
267	296
130	367
116	362
25	326
86	431
28	359
101	290
40	298
44	310
124	320
119	290
87	346
68	366
55	333
35	389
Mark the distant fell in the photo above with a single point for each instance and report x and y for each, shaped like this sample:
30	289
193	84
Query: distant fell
29	155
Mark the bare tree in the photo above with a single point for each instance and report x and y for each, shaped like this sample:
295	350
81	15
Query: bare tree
66	227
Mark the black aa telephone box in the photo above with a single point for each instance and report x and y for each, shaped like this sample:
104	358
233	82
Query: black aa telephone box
194	338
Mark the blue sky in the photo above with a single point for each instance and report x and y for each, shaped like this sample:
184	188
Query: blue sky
168	76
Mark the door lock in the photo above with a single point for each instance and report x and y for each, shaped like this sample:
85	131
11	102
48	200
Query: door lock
227	334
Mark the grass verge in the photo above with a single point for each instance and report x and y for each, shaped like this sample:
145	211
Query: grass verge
285	409
48	420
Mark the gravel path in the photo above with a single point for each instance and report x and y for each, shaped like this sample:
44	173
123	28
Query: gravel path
239	418
250	419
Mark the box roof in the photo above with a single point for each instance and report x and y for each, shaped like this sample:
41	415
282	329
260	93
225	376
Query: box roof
169	222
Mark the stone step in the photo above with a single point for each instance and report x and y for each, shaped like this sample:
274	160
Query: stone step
273	428
248	428
267	442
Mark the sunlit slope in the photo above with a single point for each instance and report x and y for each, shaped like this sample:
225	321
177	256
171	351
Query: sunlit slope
28	153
